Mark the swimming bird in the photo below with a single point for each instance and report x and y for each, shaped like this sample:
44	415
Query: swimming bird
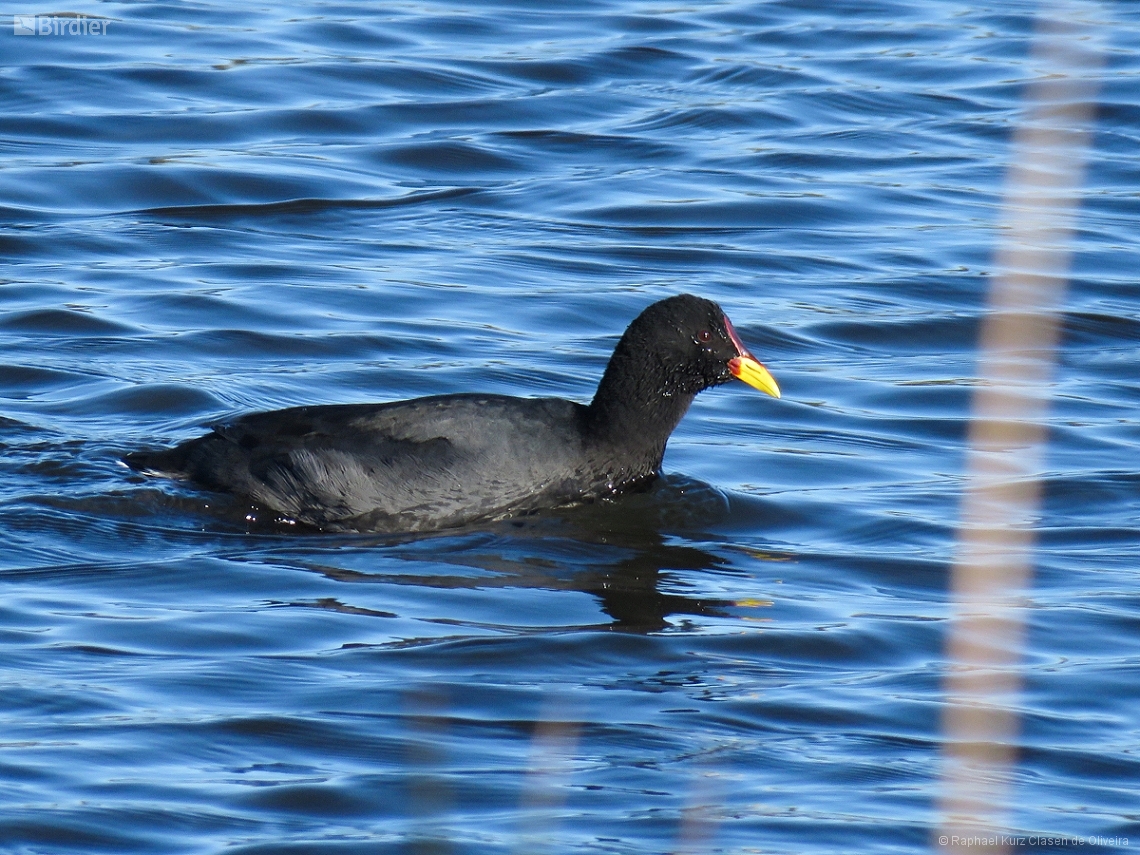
442	461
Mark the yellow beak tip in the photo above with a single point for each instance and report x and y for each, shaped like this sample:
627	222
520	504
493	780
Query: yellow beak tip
750	371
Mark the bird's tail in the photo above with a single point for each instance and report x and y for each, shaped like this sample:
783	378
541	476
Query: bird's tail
168	461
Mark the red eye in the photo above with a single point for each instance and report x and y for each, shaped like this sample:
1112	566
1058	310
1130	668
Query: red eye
704	335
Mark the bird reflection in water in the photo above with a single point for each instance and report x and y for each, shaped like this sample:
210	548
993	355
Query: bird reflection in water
619	552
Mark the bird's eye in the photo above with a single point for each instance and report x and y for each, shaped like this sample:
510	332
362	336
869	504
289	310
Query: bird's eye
704	335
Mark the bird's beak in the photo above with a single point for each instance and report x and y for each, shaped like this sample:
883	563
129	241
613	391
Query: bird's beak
744	366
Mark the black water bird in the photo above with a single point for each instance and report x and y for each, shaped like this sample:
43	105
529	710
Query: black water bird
442	461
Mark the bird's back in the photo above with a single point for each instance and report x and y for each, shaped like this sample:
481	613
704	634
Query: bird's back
414	465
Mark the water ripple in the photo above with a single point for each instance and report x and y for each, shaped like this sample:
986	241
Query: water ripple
212	210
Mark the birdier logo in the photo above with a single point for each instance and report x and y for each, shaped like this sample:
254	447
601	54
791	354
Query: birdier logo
58	25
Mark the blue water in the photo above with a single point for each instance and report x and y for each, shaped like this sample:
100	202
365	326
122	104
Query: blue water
211	210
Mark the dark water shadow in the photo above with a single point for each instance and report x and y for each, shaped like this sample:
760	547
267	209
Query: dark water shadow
630	554
621	552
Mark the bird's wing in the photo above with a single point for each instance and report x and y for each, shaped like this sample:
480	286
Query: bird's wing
397	464
322	475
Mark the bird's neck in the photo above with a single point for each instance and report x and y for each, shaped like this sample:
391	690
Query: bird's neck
635	408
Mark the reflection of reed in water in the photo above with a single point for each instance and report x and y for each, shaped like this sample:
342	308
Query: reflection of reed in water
622	560
429	796
1007	434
